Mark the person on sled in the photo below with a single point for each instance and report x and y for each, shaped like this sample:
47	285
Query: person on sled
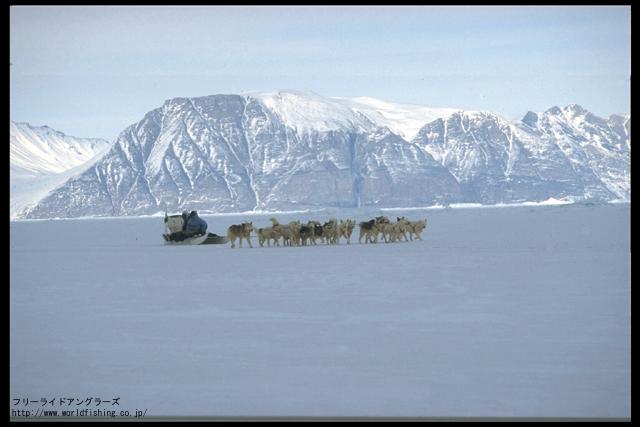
191	225
194	225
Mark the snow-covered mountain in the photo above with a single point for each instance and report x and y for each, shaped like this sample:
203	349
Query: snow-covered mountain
42	158
42	150
598	149
559	153
293	150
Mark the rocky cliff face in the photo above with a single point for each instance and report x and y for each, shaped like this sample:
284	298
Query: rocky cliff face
559	153
597	149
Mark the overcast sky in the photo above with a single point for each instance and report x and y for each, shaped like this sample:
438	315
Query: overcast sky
92	71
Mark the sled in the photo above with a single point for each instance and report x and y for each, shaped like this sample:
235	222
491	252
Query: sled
214	239
175	236
195	240
203	239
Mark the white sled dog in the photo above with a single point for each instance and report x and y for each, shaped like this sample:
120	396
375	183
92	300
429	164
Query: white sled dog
240	231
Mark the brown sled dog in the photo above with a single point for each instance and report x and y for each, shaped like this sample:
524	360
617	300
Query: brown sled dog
240	231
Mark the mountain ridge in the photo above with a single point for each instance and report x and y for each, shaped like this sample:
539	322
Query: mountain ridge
284	150
42	158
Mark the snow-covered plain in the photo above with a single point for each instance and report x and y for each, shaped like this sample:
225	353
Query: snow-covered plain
519	312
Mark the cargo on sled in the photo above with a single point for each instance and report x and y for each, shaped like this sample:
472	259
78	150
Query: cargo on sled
189	229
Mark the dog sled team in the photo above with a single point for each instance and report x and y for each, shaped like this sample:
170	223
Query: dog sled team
313	232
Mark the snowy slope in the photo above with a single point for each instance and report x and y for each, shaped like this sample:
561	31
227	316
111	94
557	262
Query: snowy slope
306	112
42	150
26	190
403	119
42	158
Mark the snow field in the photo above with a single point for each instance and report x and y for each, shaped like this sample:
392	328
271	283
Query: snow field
498	312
